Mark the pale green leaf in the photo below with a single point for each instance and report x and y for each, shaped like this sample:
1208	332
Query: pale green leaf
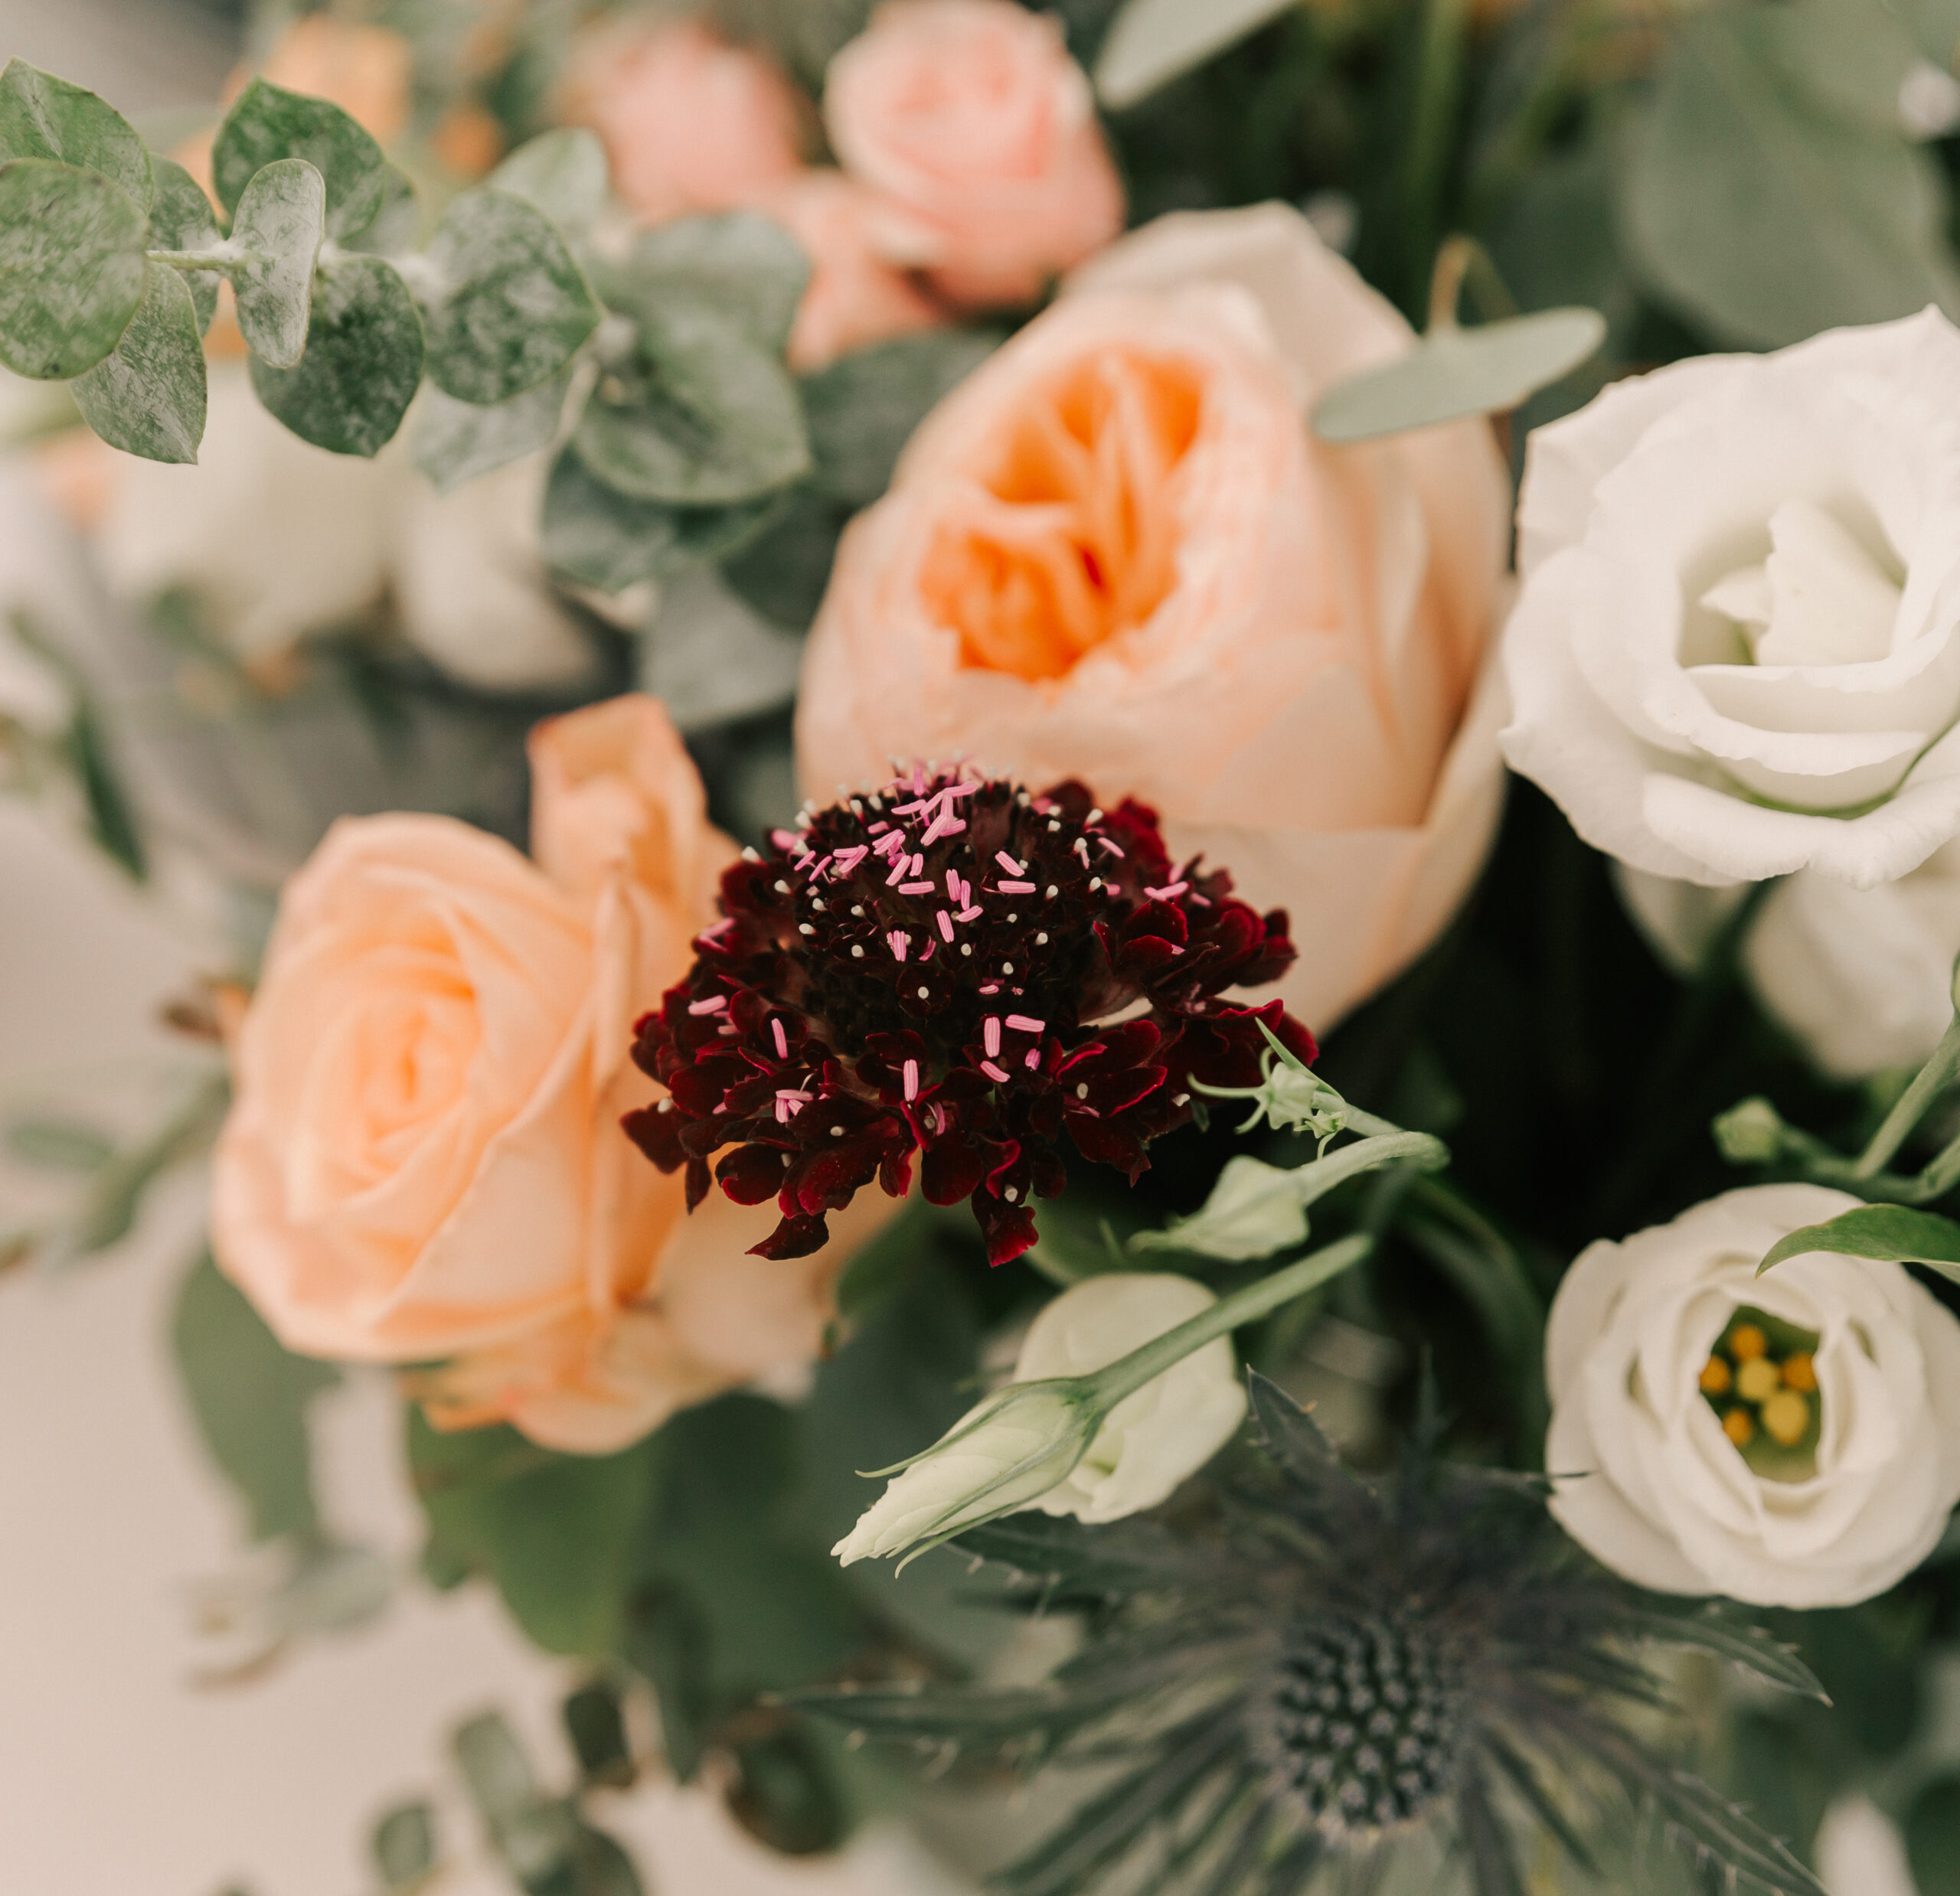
362	362
404	1847
456	442
146	396
41	116
742	272
277	234
63	1145
1152	42
1932	1834
863	408
1892	1233
1756	209
602	538
250	1397
561	173
1934	26
268	123
1453	373
395	230
709	658
1254	1209
71	267
1849	56
182	219
509	306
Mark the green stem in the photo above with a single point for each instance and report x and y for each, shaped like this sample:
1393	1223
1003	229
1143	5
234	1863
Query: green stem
1438	81
1109	1385
225	260
1912	1105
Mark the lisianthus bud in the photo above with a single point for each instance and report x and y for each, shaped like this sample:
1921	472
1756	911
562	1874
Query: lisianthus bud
1005	1454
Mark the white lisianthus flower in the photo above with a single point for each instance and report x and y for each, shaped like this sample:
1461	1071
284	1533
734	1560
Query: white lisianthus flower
1735	653
1042	1442
1790	1440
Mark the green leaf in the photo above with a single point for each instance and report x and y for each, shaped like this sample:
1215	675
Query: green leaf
1849	56
1453	373
1735	1641
71	267
784	571
741	272
277	232
785	1795
561	173
875	1270
113	818
41	116
1934	26
456	442
666	1642
600	537
1893	1233
268	123
59	1145
863	408
1933	1834
711	658
404	1847
362	362
396	229
1755	208
1152	42
182	219
510	307
146	396
556	1533
595	1723
250	1397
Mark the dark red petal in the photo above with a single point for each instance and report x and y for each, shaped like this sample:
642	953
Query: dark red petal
697	1183
952	1169
751	1173
657	1134
895	1174
794	1237
1009	1229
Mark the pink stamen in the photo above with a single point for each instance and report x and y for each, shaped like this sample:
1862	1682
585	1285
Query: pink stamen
994	1072
1027	1023
900	869
1110	846
990	987
944	823
952	884
939	1120
1015	888
1034	1061
899	941
787	840
946	925
848	860
795	1093
1007	863
926	954
891	840
713	1005
877	829
911	1079
1165	893
965	893
720	929
918	866
990	1031
915	889
813	869
781	1040
969	912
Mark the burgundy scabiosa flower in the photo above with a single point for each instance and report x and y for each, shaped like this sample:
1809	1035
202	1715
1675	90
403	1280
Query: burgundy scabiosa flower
956	967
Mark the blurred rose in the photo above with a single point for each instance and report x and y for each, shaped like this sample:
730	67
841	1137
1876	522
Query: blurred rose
970	115
424	1160
691	122
366	71
276	539
1115	553
855	297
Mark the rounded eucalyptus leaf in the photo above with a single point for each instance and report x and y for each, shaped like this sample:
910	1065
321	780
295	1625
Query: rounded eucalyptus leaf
715	419
1152	42
563	174
277	233
742	270
71	267
269	123
146	396
182	219
602	538
362	362
41	116
863	408
455	442
1453	373
396	229
511	307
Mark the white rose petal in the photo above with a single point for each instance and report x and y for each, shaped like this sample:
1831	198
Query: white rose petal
1653	1486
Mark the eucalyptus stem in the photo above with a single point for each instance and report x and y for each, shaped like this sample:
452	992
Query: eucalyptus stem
1438	90
1109	1385
1911	1107
223	259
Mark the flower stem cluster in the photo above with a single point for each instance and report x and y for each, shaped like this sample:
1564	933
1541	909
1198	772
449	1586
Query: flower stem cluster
960	968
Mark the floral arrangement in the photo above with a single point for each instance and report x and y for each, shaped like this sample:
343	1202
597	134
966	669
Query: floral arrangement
834	689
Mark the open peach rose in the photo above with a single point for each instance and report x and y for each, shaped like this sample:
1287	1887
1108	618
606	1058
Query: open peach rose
970	116
691	122
424	1160
1115	553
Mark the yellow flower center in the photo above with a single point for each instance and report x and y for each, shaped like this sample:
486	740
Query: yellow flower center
1761	1380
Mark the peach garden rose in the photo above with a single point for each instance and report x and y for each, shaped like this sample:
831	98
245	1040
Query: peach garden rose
424	1163
1115	553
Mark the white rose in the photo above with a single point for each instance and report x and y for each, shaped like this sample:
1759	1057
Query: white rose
1171	1426
278	539
1663	1495
1736	651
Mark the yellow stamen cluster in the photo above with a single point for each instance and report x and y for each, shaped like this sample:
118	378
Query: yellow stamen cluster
1753	1386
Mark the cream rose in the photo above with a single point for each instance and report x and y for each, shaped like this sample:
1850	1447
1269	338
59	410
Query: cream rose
1736	652
691	122
1115	553
424	1159
970	116
1670	1488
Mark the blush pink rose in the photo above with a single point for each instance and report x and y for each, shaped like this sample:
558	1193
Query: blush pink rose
424	1159
1115	552
855	297
691	122
970	116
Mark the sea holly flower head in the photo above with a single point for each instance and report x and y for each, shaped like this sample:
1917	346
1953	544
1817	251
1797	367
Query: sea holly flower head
959	968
